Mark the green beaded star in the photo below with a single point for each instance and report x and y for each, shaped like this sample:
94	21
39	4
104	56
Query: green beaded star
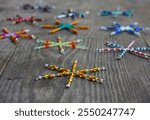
67	26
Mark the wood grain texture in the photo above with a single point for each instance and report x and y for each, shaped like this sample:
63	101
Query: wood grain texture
127	80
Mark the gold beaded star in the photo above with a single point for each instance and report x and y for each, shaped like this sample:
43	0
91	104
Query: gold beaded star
72	73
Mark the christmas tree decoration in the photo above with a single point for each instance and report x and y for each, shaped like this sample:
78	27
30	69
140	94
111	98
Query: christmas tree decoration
64	26
72	14
13	36
49	44
19	19
123	50
117	28
72	73
116	13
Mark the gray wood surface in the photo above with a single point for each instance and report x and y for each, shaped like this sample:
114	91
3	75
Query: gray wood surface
127	80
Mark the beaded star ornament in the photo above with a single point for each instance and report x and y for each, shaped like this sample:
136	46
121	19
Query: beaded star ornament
123	50
13	36
116	13
19	19
72	14
73	72
64	26
70	44
117	28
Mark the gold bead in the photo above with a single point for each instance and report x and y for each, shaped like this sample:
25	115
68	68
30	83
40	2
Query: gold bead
46	76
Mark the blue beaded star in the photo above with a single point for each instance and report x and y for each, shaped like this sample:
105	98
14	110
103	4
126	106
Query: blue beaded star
117	28
116	13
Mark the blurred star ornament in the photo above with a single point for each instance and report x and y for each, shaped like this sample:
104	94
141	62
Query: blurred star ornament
116	13
117	28
72	14
37	7
13	36
19	19
64	26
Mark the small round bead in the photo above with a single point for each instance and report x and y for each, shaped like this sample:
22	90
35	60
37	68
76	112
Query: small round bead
51	76
46	76
118	58
100	81
68	86
33	37
14	22
39	78
26	30
103	68
144	48
46	65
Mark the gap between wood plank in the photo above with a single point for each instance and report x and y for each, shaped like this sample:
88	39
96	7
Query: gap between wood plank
5	65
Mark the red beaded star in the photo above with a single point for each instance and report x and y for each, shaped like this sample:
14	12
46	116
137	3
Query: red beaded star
19	19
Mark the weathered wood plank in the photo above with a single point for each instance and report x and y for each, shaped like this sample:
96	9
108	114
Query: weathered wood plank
126	80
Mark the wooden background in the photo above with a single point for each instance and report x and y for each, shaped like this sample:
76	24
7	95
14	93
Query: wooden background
127	80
